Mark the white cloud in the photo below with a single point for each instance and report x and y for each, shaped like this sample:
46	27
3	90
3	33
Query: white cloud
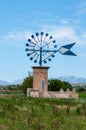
62	34
17	36
65	22
84	35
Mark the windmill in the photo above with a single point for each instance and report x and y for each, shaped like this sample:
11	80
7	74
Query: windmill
42	47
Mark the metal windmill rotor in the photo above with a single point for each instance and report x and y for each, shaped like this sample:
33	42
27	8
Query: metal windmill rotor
41	47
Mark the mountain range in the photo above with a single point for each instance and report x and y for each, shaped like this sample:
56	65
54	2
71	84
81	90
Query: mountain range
15	82
70	79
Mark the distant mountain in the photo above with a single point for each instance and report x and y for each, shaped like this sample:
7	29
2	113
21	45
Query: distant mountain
2	82
72	79
19	81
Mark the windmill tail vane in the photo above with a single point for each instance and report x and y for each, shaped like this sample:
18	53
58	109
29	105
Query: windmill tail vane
41	47
65	50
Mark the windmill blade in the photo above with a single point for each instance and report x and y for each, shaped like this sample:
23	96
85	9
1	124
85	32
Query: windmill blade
42	36
29	40
36	58
32	57
29	45
26	49
47	56
49	39
33	37
37	35
45	37
51	44
29	54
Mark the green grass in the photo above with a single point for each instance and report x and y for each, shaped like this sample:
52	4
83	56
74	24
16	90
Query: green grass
25	113
11	92
82	94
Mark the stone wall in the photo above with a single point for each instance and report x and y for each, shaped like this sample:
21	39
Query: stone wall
52	94
64	94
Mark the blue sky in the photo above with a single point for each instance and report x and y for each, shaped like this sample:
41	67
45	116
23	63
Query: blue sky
65	20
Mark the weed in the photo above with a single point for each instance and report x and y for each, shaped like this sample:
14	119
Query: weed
78	110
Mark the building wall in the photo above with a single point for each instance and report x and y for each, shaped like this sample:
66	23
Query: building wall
40	78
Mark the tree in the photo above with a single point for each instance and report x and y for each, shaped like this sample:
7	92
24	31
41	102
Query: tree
27	83
67	85
55	85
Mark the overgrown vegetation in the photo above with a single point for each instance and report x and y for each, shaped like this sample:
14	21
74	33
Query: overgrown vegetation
18	112
22	113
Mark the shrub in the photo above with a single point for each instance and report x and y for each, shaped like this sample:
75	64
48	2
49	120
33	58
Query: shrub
27	83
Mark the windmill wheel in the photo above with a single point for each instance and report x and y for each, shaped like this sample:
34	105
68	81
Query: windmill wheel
41	47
